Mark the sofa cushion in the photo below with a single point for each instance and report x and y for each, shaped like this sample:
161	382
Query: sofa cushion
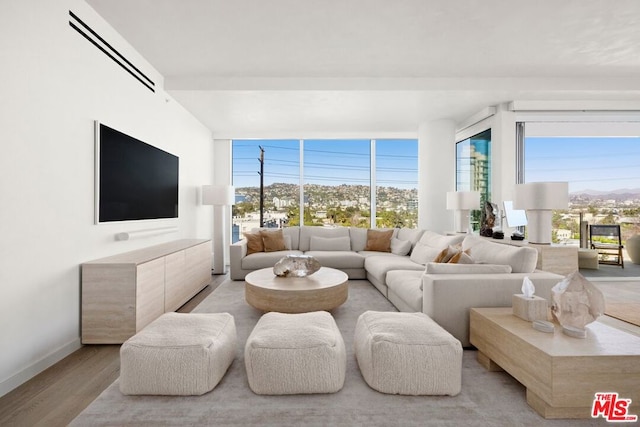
287	242
447	253
410	234
521	259
461	258
374	253
338	259
273	240
448	268
294	235
407	285
291	235
379	240
259	260
307	231
254	242
318	243
400	247
378	265
422	254
358	238
431	244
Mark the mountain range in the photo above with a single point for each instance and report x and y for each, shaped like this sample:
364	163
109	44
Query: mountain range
619	194
601	193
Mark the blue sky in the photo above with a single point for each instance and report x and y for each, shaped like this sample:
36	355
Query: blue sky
602	163
587	163
326	162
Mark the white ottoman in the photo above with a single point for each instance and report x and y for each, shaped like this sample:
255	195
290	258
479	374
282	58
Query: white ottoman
295	354
407	353
178	354
588	258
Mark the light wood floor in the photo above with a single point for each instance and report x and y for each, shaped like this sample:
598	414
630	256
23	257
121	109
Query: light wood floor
57	395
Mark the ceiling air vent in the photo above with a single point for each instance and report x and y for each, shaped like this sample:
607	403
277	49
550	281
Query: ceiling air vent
95	39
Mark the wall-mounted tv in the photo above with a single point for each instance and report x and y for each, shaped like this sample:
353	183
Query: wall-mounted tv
134	180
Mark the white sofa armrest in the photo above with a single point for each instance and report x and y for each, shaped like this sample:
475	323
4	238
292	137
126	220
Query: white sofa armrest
447	298
237	251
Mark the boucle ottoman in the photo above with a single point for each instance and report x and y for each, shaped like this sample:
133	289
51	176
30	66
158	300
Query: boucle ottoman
178	354
295	354
407	353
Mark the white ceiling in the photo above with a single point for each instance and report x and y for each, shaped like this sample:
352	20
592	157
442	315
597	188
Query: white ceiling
256	68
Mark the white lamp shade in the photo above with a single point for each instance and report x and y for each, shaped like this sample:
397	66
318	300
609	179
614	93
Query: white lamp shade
463	200
541	196
218	195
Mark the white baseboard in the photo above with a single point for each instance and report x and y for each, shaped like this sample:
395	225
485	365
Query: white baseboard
31	371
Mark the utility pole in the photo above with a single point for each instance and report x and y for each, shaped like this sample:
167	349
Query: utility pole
261	173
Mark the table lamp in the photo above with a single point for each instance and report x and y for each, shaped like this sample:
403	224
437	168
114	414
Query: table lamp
539	199
462	202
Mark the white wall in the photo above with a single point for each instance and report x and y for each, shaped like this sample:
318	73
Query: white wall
436	171
54	84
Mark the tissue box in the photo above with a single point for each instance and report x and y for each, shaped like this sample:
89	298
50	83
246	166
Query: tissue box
529	308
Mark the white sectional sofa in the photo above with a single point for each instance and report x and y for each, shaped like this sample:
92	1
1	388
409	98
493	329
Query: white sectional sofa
407	275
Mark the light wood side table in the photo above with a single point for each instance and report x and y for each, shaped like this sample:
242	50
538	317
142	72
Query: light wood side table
561	373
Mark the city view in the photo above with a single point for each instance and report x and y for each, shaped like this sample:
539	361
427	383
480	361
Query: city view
604	181
337	178
603	177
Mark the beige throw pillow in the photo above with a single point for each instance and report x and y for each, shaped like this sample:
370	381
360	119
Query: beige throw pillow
378	240
273	241
447	253
461	257
254	243
400	247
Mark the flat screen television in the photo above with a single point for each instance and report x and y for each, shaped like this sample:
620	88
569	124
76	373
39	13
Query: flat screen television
134	180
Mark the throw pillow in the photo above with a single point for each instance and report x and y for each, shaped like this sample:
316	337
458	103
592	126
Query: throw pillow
461	257
378	240
254	243
330	243
400	247
273	241
447	253
423	254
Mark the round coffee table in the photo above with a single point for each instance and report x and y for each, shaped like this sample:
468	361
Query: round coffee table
326	289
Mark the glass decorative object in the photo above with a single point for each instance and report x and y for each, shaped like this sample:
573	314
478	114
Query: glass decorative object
296	266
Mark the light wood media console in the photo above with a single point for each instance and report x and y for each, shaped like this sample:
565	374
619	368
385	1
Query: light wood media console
121	294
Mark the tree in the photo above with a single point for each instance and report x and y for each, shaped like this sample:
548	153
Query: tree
293	216
609	219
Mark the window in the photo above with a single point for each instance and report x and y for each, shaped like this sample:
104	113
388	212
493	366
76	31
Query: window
337	182
333	179
473	169
281	182
603	178
396	175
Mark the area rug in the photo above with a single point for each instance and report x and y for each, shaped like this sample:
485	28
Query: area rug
487	398
626	311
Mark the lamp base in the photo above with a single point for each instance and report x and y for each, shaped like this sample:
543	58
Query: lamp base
539	226
461	221
219	240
